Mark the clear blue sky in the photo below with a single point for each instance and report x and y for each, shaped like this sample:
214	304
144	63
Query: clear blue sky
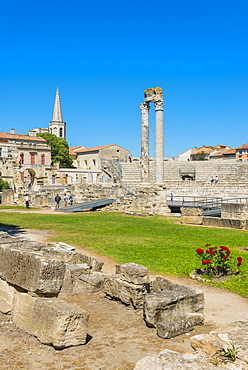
103	54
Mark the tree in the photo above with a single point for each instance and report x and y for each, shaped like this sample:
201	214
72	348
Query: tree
59	150
201	156
4	185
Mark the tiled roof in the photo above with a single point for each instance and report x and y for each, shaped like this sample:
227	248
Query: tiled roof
72	149
4	135
219	153
95	148
244	146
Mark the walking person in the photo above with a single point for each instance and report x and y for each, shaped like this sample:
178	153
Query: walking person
27	200
71	199
57	201
216	179
66	199
171	197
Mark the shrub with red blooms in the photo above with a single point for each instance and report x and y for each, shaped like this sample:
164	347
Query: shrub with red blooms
217	261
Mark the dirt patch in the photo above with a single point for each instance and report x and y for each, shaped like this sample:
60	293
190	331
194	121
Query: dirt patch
117	335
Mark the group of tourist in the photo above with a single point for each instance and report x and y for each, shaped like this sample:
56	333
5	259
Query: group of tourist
214	180
67	199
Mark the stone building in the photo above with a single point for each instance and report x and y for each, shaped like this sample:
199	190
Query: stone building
93	158
24	159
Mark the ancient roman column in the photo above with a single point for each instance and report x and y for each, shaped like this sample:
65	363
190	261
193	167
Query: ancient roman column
144	141
159	142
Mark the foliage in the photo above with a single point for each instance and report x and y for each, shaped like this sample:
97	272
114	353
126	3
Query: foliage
201	156
217	262
59	150
231	352
161	244
4	185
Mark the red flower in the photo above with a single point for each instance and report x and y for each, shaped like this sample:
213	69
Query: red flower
210	252
207	245
200	250
239	261
226	256
227	250
205	262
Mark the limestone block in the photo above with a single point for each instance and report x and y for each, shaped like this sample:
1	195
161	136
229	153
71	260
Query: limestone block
31	270
72	274
209	343
61	250
52	320
171	360
160	283
172	304
127	293
95	265
133	273
178	327
211	221
232	223
93	282
7	295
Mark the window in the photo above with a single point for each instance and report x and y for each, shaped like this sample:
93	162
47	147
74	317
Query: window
60	132
43	159
9	153
94	162
21	158
240	151
32	158
0	152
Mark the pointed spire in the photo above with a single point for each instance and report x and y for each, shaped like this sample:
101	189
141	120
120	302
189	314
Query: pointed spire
57	113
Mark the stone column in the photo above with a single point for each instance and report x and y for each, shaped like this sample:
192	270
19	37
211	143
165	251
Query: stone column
144	141
159	142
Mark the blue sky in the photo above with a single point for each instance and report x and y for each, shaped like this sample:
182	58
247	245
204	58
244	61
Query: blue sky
103	54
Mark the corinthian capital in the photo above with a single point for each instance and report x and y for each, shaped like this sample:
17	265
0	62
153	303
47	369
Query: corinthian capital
144	107
159	105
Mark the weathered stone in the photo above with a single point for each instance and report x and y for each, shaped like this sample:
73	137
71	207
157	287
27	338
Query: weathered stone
61	250
7	295
160	283
52	321
72	274
191	215
95	265
172	304
171	360
133	273
31	270
93	282
209	343
127	293
177	327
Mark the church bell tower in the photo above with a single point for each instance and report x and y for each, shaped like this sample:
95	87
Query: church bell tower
57	126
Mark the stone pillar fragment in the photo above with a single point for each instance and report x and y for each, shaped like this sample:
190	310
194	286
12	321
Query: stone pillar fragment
145	141
159	142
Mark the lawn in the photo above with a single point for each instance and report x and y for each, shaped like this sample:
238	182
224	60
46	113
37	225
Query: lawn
161	244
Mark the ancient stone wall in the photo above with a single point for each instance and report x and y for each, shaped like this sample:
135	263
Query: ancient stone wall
33	275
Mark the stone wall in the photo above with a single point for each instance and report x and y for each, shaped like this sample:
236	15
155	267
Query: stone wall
234	210
33	274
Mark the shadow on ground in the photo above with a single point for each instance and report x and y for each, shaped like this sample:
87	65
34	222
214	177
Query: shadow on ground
11	229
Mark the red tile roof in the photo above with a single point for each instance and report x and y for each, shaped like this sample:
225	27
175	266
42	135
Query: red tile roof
244	146
95	148
4	135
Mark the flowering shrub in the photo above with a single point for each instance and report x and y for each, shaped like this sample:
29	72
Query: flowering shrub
217	261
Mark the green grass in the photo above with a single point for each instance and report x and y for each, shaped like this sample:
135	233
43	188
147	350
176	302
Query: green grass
16	207
161	244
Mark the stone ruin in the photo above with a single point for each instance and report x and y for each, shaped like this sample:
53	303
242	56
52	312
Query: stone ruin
32	275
